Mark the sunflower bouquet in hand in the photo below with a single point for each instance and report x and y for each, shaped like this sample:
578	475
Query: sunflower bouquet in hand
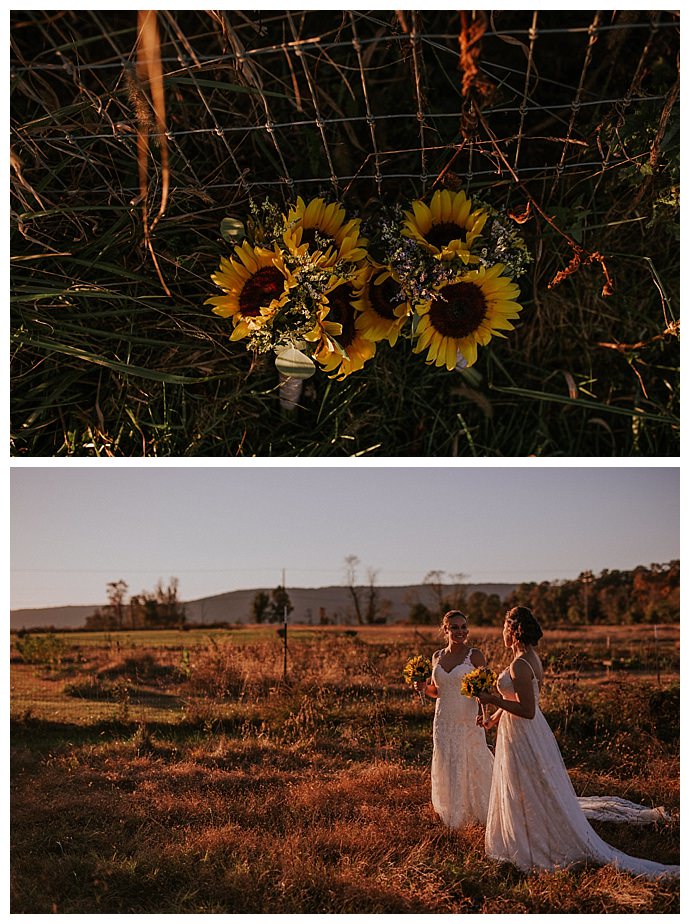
418	668
320	288
480	680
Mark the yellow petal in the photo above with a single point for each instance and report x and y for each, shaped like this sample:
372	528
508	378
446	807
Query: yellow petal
223	311
468	348
241	331
425	338
451	355
478	222
433	348
311	212
422	215
462	211
501	324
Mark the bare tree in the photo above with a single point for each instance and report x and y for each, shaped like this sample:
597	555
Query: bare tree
170	610
456	598
365	599
372	610
446	596
116	592
136	611
280	605
351	565
434	581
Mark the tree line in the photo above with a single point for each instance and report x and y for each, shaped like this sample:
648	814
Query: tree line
157	609
643	595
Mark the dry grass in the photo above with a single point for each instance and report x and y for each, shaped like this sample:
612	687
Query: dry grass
312	796
114	352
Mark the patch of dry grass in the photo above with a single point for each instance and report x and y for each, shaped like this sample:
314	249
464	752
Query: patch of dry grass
256	796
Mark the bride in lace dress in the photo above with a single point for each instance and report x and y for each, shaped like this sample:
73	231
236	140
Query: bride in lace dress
535	819
461	762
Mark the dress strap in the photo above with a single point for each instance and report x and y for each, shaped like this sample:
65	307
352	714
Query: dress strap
528	665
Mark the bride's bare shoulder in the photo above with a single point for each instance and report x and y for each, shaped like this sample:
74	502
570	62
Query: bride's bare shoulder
524	668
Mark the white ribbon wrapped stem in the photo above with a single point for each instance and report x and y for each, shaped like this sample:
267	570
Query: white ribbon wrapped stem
293	368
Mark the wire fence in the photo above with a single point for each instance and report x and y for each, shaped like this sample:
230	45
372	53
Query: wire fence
352	103
135	133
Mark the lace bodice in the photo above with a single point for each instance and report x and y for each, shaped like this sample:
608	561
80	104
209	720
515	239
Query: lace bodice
451	705
461	763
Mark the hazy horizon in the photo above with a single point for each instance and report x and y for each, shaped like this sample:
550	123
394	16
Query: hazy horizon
220	529
298	587
294	587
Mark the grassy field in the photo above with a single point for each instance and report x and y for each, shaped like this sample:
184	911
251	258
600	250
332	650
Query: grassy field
114	352
180	773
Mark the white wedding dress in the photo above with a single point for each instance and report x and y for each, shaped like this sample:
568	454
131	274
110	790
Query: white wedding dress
461	764
535	819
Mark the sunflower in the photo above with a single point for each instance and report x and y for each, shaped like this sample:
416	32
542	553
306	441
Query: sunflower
447	227
342	346
383	307
471	310
320	228
257	284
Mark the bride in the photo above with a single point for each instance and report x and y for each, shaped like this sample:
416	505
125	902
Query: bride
461	761
535	819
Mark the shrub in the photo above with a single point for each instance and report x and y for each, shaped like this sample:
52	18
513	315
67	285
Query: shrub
40	649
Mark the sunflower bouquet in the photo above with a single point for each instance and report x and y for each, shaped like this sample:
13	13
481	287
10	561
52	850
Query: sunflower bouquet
321	288
417	668
480	680
452	263
290	287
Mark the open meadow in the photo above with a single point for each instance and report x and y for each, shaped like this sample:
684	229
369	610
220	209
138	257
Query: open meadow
186	772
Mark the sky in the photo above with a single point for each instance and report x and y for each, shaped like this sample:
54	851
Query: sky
74	529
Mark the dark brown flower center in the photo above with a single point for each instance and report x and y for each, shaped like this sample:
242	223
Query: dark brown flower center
385	298
324	240
458	309
444	232
342	312
258	291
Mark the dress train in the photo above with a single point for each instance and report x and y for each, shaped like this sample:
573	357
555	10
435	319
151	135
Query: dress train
535	819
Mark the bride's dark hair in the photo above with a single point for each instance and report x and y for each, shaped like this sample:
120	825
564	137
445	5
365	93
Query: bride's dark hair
523	625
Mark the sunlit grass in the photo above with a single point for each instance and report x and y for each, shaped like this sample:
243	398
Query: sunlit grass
224	789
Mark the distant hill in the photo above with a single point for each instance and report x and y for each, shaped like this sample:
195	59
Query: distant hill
309	603
59	617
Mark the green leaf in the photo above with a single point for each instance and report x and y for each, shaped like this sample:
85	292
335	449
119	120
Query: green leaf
232	230
295	364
